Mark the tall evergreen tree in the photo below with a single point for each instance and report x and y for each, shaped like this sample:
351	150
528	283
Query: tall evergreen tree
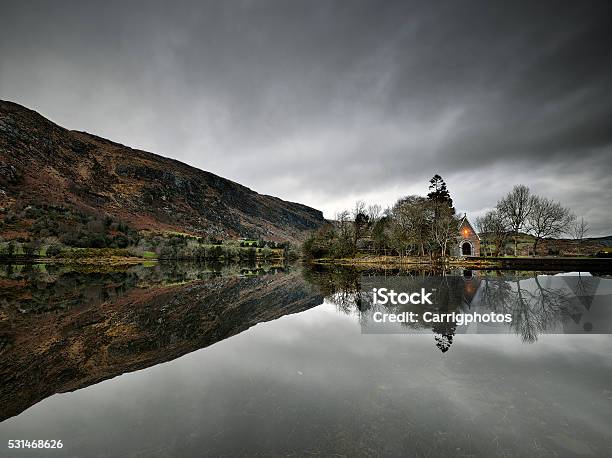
438	193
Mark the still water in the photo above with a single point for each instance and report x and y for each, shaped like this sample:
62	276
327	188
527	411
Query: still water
184	360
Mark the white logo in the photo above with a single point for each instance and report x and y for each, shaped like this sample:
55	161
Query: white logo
384	296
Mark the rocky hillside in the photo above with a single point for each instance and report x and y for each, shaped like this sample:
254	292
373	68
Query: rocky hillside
43	164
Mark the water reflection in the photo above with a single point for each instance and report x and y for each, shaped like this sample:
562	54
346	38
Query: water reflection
541	303
309	383
537	302
37	288
62	329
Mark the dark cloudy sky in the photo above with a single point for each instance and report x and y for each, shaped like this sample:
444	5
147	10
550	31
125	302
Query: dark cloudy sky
325	102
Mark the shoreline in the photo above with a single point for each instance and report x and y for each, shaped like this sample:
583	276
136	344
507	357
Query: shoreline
115	260
555	263
90	261
382	262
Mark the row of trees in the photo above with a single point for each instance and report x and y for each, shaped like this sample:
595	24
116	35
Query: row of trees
521	212
428	226
415	225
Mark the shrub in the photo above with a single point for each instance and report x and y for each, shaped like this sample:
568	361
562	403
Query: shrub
121	241
54	250
97	241
215	252
30	248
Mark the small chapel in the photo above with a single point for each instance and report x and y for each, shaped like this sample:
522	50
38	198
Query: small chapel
468	241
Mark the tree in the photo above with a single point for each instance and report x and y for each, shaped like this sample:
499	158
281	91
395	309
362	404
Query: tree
547	219
444	224
380	235
10	248
578	229
515	208
412	223
54	250
29	248
374	213
343	221
493	229
444	229
317	245
360	222
438	192
121	241
343	243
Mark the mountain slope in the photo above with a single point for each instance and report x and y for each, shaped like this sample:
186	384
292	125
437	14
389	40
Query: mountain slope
42	163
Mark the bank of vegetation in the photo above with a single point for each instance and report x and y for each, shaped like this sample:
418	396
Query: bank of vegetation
60	234
425	229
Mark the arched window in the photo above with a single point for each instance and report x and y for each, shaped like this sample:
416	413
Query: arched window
466	249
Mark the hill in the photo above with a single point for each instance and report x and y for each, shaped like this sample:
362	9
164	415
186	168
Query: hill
49	170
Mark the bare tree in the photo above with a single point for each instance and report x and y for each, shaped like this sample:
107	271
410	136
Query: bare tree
485	237
360	222
578	229
547	219
515	208
343	223
374	213
344	227
492	227
444	228
360	207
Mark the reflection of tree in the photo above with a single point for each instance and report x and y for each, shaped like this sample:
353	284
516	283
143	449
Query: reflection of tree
443	335
537	304
581	285
584	288
343	287
449	298
534	307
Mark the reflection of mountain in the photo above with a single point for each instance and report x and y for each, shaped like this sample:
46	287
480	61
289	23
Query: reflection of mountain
46	353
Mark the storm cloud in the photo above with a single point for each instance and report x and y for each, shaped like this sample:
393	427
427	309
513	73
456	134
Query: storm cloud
332	101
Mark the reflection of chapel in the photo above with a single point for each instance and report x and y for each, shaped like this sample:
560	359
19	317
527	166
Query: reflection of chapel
468	242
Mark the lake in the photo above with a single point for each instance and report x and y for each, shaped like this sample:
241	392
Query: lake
191	360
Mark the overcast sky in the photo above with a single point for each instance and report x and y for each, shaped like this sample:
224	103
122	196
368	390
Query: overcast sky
325	102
